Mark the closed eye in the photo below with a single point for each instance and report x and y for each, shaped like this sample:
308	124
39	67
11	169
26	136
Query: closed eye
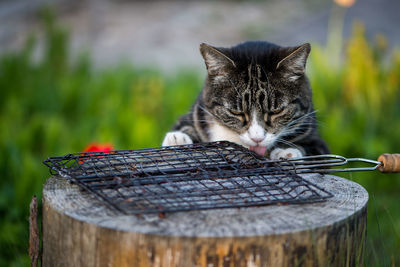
273	114
236	113
277	111
243	117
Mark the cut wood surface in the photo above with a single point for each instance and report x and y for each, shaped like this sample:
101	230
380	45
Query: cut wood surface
78	230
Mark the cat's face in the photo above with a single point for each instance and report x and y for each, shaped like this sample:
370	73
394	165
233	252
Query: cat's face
258	92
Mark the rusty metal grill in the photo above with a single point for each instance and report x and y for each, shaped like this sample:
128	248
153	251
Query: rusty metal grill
188	177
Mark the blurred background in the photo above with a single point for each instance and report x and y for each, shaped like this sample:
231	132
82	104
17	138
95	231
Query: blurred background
121	72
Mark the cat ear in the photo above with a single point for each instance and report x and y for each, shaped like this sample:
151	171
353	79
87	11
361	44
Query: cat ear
293	65
217	63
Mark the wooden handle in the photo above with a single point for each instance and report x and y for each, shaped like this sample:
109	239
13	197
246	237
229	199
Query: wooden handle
390	163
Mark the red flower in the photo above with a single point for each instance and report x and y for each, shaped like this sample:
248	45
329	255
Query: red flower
95	147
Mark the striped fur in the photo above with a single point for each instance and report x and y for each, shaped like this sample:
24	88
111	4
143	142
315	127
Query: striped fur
256	94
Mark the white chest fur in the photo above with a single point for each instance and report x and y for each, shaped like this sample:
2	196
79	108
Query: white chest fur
217	132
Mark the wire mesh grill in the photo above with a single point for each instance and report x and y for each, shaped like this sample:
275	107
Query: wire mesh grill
188	177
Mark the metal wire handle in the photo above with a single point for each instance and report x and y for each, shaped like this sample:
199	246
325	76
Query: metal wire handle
386	163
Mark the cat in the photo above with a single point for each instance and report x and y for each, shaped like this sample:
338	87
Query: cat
257	95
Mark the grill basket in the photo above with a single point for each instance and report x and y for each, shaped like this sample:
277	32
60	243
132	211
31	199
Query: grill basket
183	178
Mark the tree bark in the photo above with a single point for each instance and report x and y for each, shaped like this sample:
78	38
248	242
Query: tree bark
80	231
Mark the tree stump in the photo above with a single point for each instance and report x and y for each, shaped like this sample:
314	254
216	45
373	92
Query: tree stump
78	230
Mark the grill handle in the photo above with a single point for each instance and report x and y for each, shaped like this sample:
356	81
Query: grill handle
390	163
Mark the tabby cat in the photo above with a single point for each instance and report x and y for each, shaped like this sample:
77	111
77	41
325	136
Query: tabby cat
256	94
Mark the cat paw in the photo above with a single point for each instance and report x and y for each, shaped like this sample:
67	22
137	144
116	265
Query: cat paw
176	138
287	153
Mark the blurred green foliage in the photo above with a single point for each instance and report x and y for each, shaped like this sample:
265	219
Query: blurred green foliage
53	106
359	116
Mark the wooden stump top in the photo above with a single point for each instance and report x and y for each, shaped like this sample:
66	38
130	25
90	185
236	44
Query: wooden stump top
348	199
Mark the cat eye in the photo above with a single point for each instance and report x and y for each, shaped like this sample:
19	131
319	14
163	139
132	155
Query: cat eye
273	113
276	111
236	113
243	117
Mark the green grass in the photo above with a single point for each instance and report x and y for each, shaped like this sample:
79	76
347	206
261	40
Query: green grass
54	106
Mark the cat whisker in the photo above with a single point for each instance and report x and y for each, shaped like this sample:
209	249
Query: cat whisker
303	125
295	129
206	111
279	140
300	125
307	115
209	121
298	130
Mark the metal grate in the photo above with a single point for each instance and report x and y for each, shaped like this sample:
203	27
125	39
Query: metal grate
188	177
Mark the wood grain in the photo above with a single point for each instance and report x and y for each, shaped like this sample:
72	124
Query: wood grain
390	163
34	236
79	231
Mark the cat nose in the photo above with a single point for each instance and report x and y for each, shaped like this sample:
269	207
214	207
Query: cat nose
257	139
